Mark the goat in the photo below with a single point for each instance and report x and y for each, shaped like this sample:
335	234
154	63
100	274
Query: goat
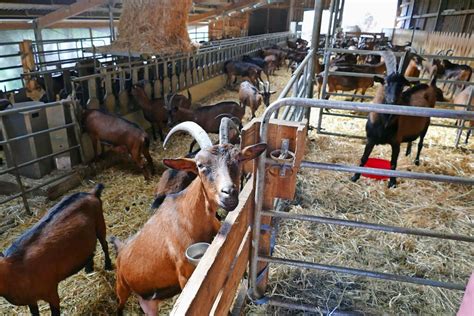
397	129
208	117
279	53
238	68
463	98
174	181
456	72
121	133
155	111
58	246
271	63
181	220
346	83
251	97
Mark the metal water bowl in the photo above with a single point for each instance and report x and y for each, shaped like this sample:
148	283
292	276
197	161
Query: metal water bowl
195	252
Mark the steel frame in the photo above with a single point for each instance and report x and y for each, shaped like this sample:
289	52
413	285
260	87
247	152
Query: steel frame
299	103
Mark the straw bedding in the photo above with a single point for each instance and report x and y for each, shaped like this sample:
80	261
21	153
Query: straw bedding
444	207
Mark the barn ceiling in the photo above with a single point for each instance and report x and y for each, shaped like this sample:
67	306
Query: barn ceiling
15	13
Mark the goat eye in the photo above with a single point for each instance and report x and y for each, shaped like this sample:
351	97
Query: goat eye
200	165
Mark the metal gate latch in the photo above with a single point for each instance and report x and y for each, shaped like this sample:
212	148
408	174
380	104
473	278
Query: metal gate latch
284	157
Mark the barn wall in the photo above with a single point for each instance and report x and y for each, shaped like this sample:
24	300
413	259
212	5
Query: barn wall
268	21
436	15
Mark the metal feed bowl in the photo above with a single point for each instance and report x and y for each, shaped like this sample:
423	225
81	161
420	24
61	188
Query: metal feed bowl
195	252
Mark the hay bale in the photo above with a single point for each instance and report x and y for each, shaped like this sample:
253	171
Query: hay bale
152	26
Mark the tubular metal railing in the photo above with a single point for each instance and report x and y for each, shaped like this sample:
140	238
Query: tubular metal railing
295	103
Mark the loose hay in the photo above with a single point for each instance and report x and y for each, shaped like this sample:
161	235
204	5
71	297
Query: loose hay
444	207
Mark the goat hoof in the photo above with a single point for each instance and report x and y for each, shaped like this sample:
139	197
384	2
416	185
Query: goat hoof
392	185
108	266
417	162
88	270
354	178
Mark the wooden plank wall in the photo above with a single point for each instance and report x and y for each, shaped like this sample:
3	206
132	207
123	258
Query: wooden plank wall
431	42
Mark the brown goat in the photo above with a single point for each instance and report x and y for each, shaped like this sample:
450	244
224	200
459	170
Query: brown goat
119	132
58	246
397	129
155	111
182	219
271	63
346	83
251	97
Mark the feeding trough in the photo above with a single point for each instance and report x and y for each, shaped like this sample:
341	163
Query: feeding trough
195	252
377	163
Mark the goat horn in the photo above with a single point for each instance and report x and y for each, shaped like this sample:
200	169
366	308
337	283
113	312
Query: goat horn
390	61
196	131
226	125
449	51
440	51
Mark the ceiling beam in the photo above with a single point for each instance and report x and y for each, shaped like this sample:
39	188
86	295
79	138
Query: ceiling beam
68	11
231	7
24	25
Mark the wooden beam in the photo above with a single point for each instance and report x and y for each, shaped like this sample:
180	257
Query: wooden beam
231	7
68	11
23	25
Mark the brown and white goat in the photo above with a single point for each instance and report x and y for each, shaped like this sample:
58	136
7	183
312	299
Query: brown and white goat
58	246
155	111
182	219
396	129
121	133
251	97
463	98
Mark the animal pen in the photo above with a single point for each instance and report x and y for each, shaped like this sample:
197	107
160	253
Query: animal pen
237	267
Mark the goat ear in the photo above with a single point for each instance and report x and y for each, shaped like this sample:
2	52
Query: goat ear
185	164
379	79
252	152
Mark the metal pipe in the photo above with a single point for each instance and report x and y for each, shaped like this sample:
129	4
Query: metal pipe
363	273
370	226
11	140
292	304
388	172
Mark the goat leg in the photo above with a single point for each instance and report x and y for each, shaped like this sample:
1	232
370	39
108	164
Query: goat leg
89	267
54	303
408	152
420	145
367	151
149	160
101	235
393	163
153	131
467	136
123	293
34	310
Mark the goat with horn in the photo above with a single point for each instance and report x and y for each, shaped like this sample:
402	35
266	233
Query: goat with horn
152	264
396	129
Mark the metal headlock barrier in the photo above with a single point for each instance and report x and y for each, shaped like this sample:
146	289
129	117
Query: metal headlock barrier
171	73
7	141
295	109
460	127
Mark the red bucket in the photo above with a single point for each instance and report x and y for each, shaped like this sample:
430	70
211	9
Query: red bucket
377	164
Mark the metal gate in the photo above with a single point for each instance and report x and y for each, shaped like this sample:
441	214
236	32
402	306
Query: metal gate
296	109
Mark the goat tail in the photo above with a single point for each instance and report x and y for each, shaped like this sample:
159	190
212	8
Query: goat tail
158	201
118	244
97	191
